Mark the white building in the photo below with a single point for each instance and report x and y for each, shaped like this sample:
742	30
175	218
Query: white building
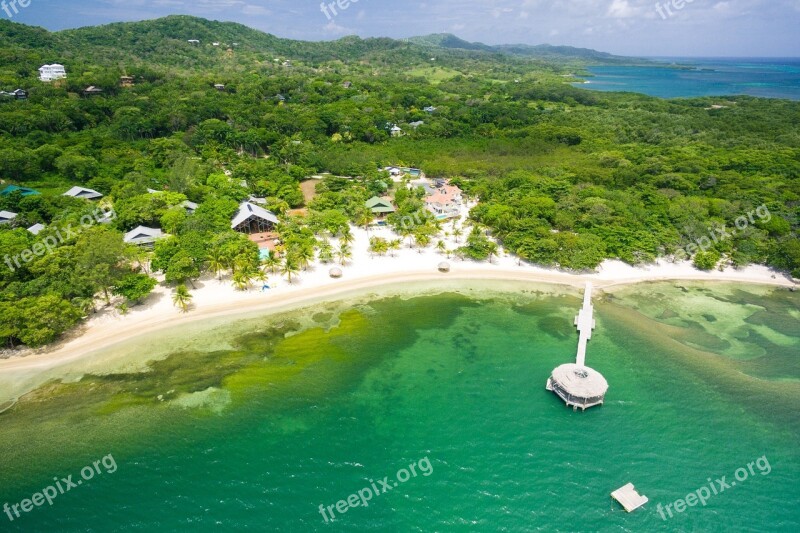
52	72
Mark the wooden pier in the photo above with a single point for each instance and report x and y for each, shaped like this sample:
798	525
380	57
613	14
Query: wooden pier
586	323
577	384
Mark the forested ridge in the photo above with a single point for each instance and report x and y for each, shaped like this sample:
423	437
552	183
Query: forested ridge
565	177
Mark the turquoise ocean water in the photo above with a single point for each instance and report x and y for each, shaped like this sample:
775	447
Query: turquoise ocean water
768	78
252	425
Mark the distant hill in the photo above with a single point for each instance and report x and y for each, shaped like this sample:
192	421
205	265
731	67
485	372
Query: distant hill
541	51
164	44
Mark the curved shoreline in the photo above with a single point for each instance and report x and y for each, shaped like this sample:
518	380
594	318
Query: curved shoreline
105	332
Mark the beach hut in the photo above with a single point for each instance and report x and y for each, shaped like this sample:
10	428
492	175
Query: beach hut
24	191
444	267
254	219
336	273
83	192
143	236
7	216
380	206
36	229
190	207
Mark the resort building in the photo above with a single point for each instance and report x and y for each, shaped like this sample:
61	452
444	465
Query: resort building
52	72
82	192
252	218
443	200
190	207
92	91
126	81
19	94
380	207
7	216
143	236
24	191
36	229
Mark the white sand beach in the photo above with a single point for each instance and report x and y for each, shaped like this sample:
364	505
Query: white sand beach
215	298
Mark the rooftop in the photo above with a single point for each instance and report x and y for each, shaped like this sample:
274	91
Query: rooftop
580	381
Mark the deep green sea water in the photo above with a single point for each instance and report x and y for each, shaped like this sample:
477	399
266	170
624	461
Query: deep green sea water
262	420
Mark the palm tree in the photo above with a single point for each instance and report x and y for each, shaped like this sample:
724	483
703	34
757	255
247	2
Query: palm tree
305	255
243	278
325	252
492	248
182	298
344	253
395	245
272	262
261	277
216	262
457	233
364	218
422	240
347	238
441	247
290	266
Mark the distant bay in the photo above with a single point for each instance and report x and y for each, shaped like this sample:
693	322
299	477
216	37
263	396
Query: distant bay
698	77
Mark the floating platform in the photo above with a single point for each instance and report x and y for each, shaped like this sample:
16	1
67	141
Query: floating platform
579	386
629	498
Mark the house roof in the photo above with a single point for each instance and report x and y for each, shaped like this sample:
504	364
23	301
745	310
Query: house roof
143	235
6	216
445	195
36	228
380	205
248	210
191	206
82	192
24	190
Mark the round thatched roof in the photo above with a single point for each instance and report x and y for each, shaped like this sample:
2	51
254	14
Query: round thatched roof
444	266
336	272
580	382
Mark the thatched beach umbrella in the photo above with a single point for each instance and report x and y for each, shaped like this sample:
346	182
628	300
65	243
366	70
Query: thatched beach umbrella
444	266
336	273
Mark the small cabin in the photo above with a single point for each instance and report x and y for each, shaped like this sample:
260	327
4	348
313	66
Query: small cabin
92	91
